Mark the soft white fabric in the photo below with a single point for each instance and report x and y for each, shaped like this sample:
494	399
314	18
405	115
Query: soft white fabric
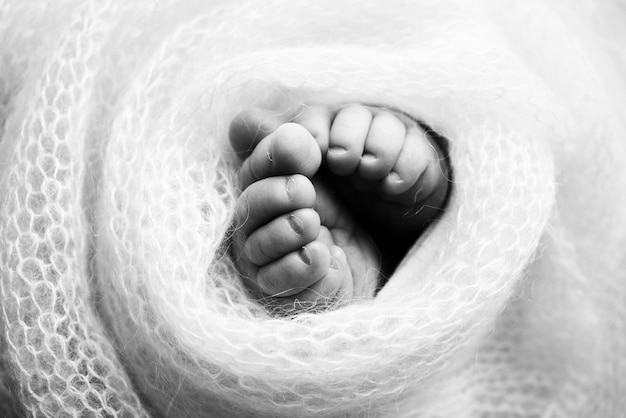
118	297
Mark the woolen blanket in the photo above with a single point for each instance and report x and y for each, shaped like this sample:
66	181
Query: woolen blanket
117	185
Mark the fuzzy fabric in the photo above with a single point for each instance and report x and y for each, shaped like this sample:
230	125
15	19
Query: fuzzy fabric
119	298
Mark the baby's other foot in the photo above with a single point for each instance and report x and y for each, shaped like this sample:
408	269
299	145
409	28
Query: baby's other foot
393	170
278	244
390	171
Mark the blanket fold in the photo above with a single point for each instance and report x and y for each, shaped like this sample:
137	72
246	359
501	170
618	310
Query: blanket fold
117	186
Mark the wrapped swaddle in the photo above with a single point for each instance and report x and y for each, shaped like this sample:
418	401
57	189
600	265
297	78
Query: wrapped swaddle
117	189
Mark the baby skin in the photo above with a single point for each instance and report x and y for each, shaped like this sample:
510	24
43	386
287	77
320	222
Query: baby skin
331	200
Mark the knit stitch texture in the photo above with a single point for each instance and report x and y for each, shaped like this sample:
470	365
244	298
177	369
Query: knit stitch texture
117	185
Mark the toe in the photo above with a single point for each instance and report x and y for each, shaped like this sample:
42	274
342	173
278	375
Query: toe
382	146
332	291
347	139
416	156
316	120
282	236
295	272
337	286
289	150
269	198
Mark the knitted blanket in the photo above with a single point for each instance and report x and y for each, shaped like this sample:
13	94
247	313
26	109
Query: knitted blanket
117	185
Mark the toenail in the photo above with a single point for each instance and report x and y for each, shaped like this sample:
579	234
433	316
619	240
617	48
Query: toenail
296	224
367	157
334	264
337	150
394	177
291	188
305	255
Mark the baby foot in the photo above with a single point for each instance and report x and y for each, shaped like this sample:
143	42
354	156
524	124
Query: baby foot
282	243
390	171
387	170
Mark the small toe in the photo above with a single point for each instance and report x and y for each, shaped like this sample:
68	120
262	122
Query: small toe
281	236
347	139
382	146
294	272
269	198
332	291
414	159
337	286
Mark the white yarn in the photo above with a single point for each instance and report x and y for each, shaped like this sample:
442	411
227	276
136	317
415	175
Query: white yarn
117	186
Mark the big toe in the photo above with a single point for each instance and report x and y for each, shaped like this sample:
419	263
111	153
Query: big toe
290	149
